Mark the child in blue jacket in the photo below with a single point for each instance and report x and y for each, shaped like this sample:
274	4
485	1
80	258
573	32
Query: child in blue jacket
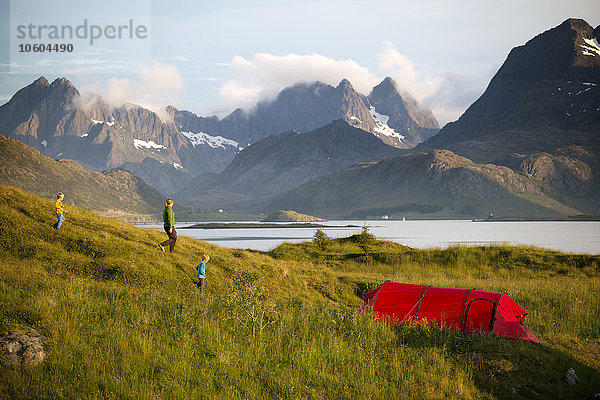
201	269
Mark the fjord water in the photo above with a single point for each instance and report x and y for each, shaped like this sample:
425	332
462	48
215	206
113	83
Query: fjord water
565	236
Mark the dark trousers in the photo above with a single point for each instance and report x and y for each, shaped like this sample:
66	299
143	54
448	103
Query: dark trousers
202	284
172	239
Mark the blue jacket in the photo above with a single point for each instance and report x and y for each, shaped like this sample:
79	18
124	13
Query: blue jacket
201	268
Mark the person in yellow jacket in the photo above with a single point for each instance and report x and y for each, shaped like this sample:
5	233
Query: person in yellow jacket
60	210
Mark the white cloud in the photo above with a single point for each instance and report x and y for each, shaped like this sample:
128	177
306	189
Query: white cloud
456	92
153	89
401	69
266	75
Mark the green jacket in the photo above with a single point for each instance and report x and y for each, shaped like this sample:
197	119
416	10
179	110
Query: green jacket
169	217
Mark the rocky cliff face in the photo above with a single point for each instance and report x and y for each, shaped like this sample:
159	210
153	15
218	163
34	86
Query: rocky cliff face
388	113
540	114
551	81
53	118
572	170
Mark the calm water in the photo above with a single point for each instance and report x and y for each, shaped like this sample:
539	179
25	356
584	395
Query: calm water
572	237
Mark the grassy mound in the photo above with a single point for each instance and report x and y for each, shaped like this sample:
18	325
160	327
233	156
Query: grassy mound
126	321
291	216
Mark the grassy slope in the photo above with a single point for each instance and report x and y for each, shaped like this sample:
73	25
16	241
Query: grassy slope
114	192
125	320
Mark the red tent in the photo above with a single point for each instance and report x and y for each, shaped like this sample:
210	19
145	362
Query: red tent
469	310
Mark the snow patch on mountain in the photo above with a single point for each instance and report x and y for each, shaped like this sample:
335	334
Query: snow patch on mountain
382	127
592	48
149	145
96	122
202	138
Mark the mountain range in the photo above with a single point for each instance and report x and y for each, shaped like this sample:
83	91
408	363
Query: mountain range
169	150
282	162
529	146
388	112
540	114
550	82
437	183
515	151
56	120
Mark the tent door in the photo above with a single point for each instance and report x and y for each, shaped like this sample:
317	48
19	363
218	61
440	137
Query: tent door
479	315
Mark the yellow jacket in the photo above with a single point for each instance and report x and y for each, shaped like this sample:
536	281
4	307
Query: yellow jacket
59	207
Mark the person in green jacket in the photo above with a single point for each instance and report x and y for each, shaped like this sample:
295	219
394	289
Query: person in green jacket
169	225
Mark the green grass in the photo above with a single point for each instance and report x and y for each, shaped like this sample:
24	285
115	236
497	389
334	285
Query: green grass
126	321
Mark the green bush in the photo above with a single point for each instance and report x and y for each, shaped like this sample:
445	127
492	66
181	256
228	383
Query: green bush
366	239
322	240
247	303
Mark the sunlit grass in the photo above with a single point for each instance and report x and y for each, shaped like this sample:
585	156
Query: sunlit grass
126	321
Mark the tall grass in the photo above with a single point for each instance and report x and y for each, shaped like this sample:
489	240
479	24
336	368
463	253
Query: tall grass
126	321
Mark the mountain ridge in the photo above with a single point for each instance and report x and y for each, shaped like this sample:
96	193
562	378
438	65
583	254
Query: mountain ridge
429	185
56	120
307	106
281	162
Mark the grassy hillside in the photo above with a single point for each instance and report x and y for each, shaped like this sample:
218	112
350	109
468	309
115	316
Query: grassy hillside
114	192
125	320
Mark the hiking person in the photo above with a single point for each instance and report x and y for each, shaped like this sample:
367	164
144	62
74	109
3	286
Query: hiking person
169	225
201	268
60	211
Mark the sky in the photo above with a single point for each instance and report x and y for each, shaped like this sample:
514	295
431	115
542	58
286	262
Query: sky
211	57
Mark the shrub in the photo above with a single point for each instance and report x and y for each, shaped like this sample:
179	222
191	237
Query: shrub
366	239
322	240
247	303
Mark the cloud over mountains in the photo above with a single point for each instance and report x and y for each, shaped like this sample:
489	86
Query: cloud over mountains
265	75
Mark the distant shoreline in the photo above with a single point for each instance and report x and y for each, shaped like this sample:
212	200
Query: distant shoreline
532	219
263	225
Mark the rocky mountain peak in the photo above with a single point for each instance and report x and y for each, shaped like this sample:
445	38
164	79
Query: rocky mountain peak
41	81
388	84
62	82
405	116
387	90
550	81
345	85
585	44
